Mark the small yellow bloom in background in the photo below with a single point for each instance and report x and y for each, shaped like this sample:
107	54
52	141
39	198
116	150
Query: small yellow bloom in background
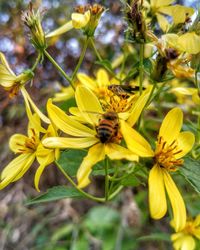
30	148
13	84
178	12
185	238
183	92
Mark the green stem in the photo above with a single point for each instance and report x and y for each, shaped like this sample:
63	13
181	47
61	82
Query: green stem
141	66
89	196
36	62
100	59
151	94
85	45
115	193
106	180
57	66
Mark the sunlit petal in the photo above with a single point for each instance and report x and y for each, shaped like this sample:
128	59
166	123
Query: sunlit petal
6	64
160	3
61	142
157	197
171	125
189	42
135	142
80	20
86	81
64	28
13	169
117	152
102	78
16	142
139	106
67	124
87	102
163	22
95	154
197	221
176	200
185	141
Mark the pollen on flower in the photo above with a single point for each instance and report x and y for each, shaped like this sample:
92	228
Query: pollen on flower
165	154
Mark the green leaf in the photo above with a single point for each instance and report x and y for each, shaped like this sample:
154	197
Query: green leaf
67	104
131	180
56	193
191	171
71	160
105	63
155	236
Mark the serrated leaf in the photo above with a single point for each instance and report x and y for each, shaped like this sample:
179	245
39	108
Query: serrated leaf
56	193
191	171
71	160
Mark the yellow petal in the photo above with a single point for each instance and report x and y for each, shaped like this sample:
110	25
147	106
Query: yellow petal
157	197
46	161
65	94
177	203
95	154
86	81
197	221
159	3
88	103
185	143
163	22
184	91
102	78
135	142
186	242
14	168
44	155
189	42
64	28
67	124
139	106
178	12
79	21
197	233
171	125
35	124
61	142
117	152
16	142
6	64
27	98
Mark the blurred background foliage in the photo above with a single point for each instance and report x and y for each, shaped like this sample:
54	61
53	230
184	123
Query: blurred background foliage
67	224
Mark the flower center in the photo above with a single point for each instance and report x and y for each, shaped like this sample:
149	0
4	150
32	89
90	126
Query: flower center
13	91
189	228
165	154
30	144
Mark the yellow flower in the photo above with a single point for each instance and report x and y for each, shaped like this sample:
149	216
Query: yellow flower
78	21
87	135
30	148
170	147
178	12
182	92
13	84
185	239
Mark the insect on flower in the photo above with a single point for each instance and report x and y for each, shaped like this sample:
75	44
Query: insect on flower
123	91
108	128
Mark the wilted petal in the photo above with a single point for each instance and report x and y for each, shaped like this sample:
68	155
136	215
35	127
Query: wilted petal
171	125
135	142
117	152
66	123
185	141
176	200
61	142
157	197
95	154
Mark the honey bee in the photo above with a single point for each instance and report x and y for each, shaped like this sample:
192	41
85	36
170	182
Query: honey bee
123	91
108	128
